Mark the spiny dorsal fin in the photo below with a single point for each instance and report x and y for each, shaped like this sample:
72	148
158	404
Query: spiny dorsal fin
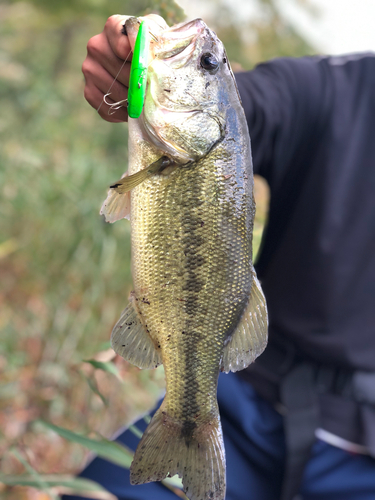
250	337
131	340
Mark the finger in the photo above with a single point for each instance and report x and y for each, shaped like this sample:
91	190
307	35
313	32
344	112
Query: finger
118	42
96	75
98	83
100	51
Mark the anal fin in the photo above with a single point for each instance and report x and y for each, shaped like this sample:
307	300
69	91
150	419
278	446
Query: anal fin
249	339
131	340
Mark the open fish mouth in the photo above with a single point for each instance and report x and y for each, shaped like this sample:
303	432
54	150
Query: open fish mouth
177	44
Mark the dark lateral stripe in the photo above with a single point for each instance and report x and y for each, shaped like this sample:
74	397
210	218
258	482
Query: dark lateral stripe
192	241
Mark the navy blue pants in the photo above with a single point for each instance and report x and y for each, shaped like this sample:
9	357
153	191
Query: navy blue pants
255	453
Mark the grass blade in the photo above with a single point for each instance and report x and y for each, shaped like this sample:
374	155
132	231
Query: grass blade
63	483
93	386
147	419
174	481
104	448
37	478
106	366
135	431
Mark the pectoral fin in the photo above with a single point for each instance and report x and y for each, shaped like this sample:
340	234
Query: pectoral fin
131	340
116	206
250	337
131	181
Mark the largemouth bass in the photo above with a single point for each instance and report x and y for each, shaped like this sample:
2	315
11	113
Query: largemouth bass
197	306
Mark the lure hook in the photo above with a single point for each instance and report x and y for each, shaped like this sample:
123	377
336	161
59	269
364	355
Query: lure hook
113	107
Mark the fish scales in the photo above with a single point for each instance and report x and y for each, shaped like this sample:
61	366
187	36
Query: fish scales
197	306
186	239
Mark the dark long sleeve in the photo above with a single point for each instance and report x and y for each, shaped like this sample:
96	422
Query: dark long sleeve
287	103
312	128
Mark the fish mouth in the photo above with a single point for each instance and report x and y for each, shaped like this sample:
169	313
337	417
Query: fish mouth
178	42
195	27
166	42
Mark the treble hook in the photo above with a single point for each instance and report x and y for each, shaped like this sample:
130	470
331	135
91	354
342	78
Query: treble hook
113	107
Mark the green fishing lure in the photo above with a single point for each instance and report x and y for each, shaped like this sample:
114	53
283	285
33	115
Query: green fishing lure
138	72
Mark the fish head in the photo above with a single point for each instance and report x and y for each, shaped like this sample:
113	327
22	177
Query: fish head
188	81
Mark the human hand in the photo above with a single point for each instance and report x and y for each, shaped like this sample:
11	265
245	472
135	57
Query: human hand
106	54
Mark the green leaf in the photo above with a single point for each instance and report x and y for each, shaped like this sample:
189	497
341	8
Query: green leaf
106	366
114	452
135	431
75	485
93	386
104	346
36	477
174	481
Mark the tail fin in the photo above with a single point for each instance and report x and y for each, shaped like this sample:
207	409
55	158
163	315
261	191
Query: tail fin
165	450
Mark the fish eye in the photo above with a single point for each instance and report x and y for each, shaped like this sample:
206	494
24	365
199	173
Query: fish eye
209	62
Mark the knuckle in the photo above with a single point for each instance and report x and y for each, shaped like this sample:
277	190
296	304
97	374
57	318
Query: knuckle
115	37
111	22
93	45
88	69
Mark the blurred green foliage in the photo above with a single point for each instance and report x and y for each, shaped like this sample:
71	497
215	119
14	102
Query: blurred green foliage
64	273
68	10
55	162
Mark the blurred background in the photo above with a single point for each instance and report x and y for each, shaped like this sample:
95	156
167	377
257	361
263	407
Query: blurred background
64	273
